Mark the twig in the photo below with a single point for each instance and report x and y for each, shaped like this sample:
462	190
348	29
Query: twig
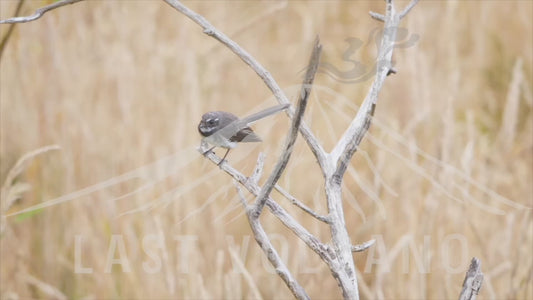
473	281
377	16
347	145
340	156
408	8
363	246
302	206
256	174
274	258
264	242
241	195
293	131
38	13
258	170
311	241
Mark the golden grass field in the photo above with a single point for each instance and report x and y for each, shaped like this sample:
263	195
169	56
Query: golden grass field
133	211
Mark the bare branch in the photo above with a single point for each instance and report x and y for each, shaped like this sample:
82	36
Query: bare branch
338	257
293	131
377	16
310	240
258	170
275	259
38	13
267	78
302	206
324	251
473	281
241	195
256	175
353	136
362	247
406	10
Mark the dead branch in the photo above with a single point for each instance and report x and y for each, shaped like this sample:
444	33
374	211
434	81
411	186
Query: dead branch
270	252
473	281
301	205
293	131
333	165
362	247
38	13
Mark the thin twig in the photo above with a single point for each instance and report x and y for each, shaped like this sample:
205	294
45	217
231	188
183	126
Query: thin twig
302	206
256	174
38	13
241	195
408	8
275	259
262	239
347	145
258	170
362	247
293	131
377	16
473	281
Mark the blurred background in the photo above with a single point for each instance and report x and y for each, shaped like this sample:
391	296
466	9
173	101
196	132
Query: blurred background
128	208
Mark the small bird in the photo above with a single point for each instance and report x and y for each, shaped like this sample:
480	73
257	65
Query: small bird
225	130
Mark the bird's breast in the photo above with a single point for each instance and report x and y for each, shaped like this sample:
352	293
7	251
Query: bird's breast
220	141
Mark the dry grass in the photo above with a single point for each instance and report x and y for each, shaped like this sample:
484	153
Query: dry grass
446	170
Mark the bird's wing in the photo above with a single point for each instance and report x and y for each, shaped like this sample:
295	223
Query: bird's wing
245	135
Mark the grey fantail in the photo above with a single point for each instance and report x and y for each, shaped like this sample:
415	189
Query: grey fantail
225	130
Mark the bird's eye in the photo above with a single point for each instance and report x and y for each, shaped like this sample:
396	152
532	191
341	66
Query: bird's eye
212	121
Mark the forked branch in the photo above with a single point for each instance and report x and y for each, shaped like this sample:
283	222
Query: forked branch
333	165
337	255
352	137
293	131
270	252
